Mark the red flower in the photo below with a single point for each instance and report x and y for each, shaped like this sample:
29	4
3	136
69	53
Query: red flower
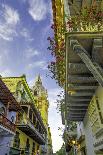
52	63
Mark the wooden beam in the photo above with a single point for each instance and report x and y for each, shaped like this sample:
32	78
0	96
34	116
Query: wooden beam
84	34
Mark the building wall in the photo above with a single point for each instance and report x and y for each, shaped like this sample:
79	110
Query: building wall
23	138
19	87
88	136
40	94
98	128
80	129
6	135
92	126
50	150
80	138
43	108
5	142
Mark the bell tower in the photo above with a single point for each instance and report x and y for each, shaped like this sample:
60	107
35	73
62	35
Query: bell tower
42	99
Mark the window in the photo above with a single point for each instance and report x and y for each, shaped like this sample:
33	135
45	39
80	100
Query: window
34	119
30	114
2	110
33	149
27	146
35	93
37	125
16	143
38	147
99	110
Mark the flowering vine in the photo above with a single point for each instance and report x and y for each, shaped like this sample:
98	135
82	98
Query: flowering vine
89	20
57	49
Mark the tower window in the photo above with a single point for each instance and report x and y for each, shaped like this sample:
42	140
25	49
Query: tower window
35	93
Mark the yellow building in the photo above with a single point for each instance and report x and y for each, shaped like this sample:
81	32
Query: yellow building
41	95
42	103
8	116
30	132
50	149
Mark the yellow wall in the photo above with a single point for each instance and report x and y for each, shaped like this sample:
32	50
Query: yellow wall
49	135
49	141
94	111
23	138
43	108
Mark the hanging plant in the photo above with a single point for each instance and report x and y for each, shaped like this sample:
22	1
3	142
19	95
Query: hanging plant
57	50
89	19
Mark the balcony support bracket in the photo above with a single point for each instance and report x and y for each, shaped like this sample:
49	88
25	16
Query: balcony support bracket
94	67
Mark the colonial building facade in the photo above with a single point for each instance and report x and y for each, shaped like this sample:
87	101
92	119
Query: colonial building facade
83	74
43	104
50	148
8	116
30	132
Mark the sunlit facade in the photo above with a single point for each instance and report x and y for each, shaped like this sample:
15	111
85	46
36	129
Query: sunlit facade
50	148
8	117
30	132
41	95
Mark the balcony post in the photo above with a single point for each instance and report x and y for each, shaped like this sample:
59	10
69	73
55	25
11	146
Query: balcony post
16	118
32	117
28	111
7	108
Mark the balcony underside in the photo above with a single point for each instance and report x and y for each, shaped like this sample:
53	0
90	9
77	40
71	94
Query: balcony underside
85	61
6	97
34	134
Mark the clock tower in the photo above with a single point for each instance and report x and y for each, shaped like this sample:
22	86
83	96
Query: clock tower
41	95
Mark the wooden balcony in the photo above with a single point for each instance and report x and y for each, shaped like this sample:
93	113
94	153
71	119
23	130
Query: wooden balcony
25	125
84	71
6	123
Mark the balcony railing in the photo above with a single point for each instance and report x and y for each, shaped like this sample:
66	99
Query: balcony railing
24	123
7	123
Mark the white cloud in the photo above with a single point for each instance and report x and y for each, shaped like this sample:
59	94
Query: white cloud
31	52
38	9
5	70
26	34
4	55
8	22
52	94
6	73
11	16
37	64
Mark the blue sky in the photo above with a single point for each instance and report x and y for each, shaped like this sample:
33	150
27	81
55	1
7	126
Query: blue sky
24	28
